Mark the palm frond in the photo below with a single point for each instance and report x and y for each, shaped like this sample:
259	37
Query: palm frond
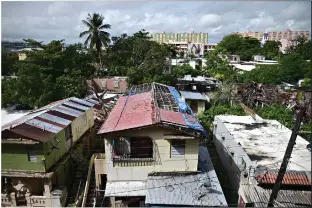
87	40
105	26
88	24
84	33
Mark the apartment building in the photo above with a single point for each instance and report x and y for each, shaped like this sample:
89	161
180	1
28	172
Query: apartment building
36	164
251	149
152	153
180	37
287	37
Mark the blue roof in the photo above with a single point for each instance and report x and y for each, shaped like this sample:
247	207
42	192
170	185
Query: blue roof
192	95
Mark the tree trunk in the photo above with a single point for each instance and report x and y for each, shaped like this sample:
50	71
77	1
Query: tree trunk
100	60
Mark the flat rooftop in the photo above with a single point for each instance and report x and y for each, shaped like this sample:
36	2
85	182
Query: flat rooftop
266	142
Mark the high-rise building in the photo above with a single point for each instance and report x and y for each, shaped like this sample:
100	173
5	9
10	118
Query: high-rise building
198	38
287	37
277	36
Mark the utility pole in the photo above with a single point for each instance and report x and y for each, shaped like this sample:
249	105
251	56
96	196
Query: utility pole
290	146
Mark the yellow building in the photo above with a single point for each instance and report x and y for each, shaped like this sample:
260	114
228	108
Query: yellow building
146	133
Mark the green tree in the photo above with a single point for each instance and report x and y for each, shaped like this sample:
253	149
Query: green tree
231	43
302	47
7	62
185	69
271	49
48	75
294	67
96	35
265	74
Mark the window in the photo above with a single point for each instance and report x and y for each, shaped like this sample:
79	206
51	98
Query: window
32	157
177	148
116	83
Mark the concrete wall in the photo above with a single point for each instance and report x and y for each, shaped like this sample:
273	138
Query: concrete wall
22	56
200	105
78	127
163	161
15	157
225	145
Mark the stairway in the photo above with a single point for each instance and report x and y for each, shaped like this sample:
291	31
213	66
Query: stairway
77	188
91	197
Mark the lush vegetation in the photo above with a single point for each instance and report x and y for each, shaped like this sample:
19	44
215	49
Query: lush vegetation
48	75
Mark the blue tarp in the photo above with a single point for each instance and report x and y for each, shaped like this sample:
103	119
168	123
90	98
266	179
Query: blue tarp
184	108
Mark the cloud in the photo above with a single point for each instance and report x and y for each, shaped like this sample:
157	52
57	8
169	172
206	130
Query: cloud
46	21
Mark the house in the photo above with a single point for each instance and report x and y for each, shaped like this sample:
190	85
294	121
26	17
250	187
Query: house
36	159
287	86
22	53
258	58
111	84
151	138
198	84
195	100
252	148
233	58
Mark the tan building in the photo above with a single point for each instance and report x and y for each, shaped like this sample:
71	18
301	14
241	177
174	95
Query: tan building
287	37
277	36
180	37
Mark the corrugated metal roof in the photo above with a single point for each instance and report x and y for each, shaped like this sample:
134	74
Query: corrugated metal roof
287	198
125	188
83	102
32	132
55	119
141	110
184	189
290	178
69	111
193	95
42	123
75	105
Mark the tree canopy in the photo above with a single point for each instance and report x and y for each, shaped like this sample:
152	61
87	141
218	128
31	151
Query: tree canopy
48	75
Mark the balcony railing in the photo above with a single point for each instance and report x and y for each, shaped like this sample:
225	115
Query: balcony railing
128	160
38	201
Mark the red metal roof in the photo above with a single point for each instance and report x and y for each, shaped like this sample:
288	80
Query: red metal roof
139	111
290	178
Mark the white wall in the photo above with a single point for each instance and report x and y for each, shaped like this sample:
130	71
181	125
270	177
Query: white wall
224	148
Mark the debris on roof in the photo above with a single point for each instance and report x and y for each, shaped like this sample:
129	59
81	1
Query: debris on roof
125	188
190	189
150	104
264	142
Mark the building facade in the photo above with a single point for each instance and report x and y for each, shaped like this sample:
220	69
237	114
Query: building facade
180	37
36	161
287	37
148	138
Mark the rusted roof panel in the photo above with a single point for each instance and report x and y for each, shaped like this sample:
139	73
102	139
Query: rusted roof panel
32	132
55	119
68	111
61	115
44	125
290	178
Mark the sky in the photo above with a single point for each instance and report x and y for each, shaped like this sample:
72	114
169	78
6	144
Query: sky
56	20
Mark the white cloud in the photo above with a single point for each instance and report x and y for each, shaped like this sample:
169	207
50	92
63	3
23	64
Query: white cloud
57	20
209	20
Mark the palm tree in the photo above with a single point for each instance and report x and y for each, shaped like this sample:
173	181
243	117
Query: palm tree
97	37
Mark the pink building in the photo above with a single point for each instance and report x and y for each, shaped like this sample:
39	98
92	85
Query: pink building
112	84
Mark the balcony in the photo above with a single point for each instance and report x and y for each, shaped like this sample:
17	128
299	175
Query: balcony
133	152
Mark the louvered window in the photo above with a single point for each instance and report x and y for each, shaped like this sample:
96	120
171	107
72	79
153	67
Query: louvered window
177	148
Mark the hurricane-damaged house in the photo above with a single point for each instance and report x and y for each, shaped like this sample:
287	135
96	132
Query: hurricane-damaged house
251	149
35	156
152	154
111	84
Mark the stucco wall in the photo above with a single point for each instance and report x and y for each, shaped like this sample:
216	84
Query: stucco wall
51	157
232	163
15	157
163	164
78	127
200	104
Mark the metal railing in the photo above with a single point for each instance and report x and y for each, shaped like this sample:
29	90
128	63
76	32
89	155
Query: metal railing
85	194
127	160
